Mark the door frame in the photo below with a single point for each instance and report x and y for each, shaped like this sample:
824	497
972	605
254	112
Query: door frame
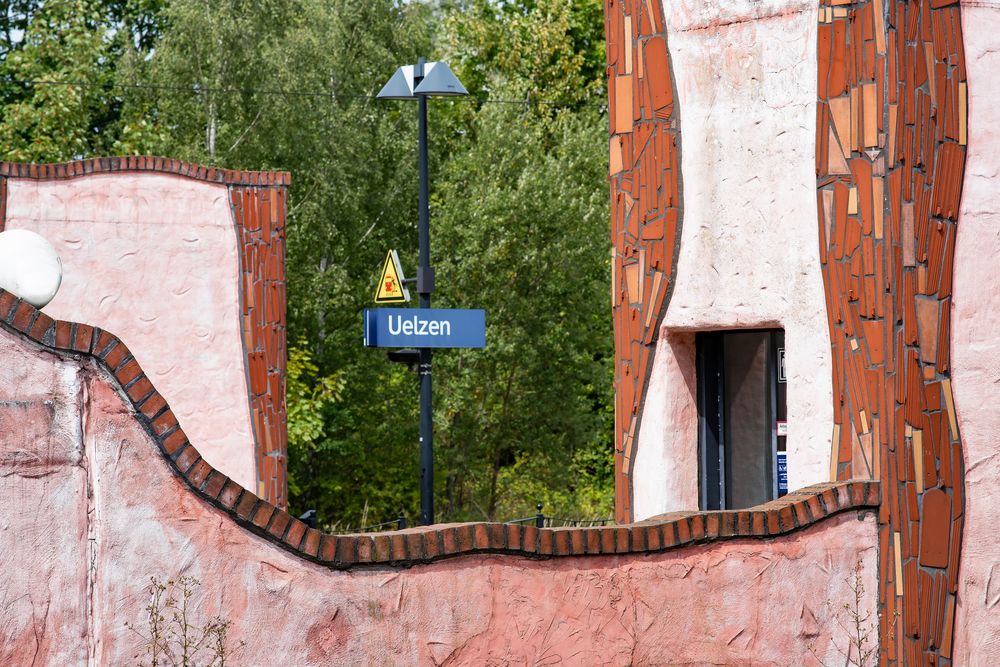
710	371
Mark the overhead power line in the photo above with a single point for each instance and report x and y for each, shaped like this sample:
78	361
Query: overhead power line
196	89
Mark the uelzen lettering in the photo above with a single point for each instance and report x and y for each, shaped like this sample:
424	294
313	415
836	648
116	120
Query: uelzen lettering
414	326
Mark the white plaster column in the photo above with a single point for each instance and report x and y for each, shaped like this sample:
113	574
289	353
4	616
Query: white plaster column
749	257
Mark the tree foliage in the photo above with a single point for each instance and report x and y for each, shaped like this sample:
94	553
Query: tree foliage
517	422
46	119
58	63
521	209
519	216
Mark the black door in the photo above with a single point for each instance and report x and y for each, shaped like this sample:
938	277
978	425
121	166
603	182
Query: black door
741	409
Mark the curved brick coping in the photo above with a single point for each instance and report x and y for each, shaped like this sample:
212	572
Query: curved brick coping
424	544
163	165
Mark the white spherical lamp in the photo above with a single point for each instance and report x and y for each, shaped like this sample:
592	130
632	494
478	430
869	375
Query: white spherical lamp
29	267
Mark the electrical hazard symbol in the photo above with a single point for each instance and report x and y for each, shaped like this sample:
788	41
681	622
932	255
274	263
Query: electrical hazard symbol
390	285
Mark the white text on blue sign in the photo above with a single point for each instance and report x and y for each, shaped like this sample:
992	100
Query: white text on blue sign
417	327
424	327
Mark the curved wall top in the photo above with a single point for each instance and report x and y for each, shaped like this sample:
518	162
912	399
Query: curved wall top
147	407
186	263
103	490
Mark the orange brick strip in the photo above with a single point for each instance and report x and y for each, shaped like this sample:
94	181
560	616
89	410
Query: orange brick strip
416	545
164	165
890	161
645	211
259	213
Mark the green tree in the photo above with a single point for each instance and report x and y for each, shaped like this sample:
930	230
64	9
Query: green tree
543	50
289	85
519	225
13	23
521	207
58	63
523	217
48	120
519	215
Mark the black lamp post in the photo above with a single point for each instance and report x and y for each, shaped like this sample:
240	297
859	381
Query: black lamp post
419	82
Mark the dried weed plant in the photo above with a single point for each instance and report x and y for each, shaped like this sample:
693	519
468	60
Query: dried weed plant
861	626
173	637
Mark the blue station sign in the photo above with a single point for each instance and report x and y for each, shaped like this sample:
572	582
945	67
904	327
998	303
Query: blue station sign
424	327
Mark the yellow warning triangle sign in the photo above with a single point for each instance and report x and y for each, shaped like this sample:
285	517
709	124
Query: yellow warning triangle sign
390	285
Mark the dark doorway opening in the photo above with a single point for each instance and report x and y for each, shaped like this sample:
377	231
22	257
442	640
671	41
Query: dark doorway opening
742	423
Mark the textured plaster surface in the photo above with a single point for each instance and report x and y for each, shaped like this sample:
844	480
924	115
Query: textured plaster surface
976	347
686	15
43	530
666	466
153	259
736	602
746	84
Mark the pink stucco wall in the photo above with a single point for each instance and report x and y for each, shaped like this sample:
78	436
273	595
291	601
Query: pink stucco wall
153	259
93	510
975	346
43	528
746	87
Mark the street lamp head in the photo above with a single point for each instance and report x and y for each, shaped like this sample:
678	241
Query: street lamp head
434	79
400	86
440	81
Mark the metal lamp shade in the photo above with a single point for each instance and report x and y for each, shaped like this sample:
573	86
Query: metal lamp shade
440	81
400	86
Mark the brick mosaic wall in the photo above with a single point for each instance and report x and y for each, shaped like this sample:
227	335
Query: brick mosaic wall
890	160
258	201
260	220
645	211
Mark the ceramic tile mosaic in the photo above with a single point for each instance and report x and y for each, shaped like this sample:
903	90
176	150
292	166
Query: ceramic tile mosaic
645	210
259	212
890	160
